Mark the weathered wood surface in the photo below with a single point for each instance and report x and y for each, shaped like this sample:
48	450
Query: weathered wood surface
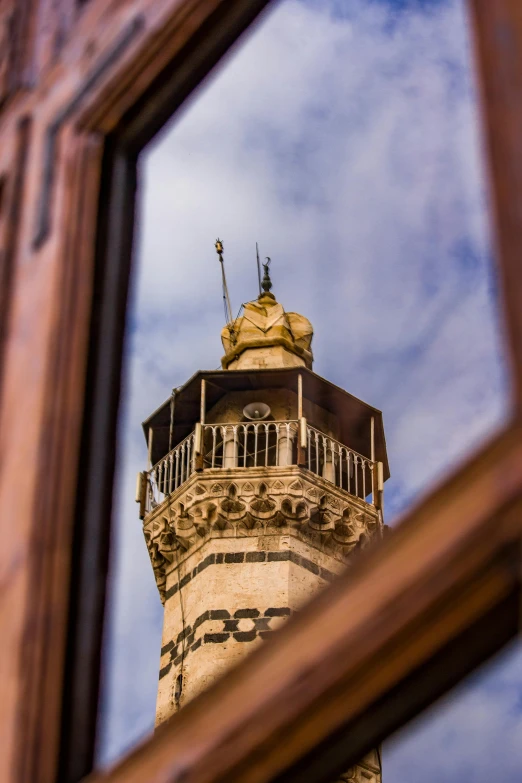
498	37
71	74
89	74
351	653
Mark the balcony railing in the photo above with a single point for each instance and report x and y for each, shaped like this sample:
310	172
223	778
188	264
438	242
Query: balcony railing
261	444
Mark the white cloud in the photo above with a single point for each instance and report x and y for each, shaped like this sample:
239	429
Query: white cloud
347	145
474	734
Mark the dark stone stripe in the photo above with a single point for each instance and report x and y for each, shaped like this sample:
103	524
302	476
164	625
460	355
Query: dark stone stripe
251	557
246	613
219	614
277	556
255	557
284	611
245	636
310	566
167	648
216	638
304	562
234	557
325	574
209	560
184	633
230	628
201	619
166	669
170	592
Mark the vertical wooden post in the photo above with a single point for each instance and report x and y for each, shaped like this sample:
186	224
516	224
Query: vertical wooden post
172	413
372	457
301	433
203	401
199	431
149	450
378	485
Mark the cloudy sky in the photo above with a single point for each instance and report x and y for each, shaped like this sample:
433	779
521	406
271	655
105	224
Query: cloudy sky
343	137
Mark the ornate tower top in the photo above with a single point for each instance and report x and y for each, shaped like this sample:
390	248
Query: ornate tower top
265	336
263	481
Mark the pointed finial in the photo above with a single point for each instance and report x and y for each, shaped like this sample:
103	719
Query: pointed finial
266	284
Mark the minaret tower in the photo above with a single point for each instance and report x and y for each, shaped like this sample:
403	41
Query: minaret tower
263	481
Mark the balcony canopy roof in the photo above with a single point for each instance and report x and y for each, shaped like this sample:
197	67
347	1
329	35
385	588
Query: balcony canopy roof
354	415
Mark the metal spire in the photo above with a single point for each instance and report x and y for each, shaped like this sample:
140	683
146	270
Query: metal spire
226	297
258	269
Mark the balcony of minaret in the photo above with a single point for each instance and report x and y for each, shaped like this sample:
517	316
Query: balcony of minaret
267	452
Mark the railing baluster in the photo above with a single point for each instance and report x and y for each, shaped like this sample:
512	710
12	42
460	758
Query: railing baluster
152	484
160	476
325	456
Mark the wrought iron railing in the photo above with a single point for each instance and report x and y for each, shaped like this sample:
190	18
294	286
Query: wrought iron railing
337	463
257	445
170	472
250	444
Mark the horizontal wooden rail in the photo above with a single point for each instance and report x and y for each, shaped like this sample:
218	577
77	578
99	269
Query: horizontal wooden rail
322	691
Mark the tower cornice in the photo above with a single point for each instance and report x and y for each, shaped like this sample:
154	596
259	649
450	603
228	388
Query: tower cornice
246	502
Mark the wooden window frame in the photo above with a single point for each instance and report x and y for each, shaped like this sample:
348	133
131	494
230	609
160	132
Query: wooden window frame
407	622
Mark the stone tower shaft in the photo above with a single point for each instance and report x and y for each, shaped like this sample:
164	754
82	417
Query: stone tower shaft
263	483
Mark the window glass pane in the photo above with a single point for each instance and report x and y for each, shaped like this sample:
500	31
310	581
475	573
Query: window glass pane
344	139
473	734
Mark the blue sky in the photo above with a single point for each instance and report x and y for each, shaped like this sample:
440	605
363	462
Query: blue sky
343	137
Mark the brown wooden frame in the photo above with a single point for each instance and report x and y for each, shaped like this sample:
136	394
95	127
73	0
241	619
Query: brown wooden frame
93	85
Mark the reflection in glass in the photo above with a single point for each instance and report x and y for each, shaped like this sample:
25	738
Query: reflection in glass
342	138
473	734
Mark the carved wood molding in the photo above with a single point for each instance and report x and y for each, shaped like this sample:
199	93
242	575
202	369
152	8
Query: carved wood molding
387	626
498	45
43	427
411	606
15	46
11	201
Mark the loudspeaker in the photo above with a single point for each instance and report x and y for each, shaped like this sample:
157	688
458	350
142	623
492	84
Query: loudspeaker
256	411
